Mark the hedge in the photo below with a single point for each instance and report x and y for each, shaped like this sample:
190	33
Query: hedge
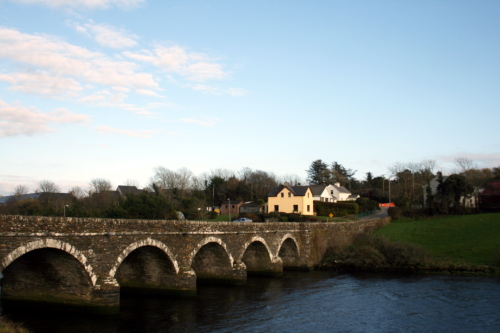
326	208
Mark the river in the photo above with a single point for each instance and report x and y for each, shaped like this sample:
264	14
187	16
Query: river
299	302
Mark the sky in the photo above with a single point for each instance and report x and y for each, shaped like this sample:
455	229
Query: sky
114	88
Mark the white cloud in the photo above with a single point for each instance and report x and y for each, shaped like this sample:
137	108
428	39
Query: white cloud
207	122
42	83
17	120
146	109
207	89
90	4
236	91
107	35
175	59
60	59
122	89
131	133
148	93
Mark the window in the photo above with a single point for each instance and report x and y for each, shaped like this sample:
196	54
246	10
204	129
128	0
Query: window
308	194
289	194
276	208
295	208
308	208
232	206
282	195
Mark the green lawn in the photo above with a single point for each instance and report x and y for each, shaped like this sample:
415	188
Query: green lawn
473	239
223	218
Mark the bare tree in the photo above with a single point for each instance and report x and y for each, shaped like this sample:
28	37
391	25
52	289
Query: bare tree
47	186
175	182
98	185
292	179
77	192
465	164
132	182
20	190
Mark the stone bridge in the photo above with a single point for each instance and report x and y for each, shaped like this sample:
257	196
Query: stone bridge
86	261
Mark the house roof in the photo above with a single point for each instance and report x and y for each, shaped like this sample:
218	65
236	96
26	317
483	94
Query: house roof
124	190
492	189
317	189
296	190
342	189
111	194
9	198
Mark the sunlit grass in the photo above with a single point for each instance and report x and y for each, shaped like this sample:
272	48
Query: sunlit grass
472	239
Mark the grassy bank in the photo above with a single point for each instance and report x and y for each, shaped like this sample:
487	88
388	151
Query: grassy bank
456	244
470	239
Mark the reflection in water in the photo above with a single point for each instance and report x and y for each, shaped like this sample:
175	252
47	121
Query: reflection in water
299	302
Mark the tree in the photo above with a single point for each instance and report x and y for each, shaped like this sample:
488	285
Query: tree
20	190
176	183
77	192
318	173
99	185
369	179
465	164
47	186
341	174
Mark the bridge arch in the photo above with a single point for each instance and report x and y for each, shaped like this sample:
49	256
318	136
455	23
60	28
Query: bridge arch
289	251
54	244
146	242
205	242
253	240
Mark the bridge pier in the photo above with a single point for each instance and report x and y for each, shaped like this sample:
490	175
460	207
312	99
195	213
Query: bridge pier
269	268
237	274
105	297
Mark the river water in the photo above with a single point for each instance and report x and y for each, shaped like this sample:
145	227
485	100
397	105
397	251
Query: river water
299	302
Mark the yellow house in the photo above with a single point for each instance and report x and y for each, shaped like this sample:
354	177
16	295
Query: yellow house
291	199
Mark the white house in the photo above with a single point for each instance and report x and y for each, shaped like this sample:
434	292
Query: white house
340	192
332	193
321	193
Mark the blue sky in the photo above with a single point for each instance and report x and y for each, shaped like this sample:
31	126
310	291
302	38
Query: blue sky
114	88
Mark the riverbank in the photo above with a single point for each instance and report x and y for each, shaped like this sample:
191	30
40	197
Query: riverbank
459	245
8	326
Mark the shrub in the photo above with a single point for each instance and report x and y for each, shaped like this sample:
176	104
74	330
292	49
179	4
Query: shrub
365	256
325	208
405	254
344	213
394	212
212	215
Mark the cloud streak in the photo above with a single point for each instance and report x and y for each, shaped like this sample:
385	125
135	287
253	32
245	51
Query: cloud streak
18	120
89	4
175	59
59	59
106	35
